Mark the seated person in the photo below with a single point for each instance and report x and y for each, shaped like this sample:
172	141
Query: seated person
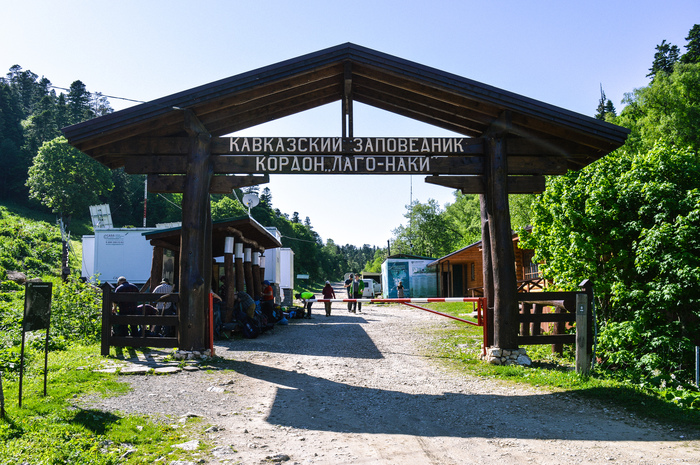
126	308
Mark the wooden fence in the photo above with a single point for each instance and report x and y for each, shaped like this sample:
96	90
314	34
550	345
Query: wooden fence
569	308
110	318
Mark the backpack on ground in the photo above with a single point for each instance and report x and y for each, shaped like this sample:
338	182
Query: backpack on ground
249	329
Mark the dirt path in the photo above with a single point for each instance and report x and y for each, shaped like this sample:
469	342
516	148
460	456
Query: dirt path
355	389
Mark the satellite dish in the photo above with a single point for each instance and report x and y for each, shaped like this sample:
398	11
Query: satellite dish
250	200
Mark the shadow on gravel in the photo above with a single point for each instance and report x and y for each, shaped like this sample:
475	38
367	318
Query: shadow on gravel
318	336
313	403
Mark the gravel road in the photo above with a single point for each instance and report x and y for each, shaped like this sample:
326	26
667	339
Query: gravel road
359	389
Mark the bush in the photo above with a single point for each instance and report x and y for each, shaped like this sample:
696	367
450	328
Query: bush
76	311
10	360
8	286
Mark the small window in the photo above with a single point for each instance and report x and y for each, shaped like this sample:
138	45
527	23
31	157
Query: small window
472	268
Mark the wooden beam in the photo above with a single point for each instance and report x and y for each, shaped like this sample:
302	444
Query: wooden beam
476	185
156	267
219	184
242	239
471	165
341	164
164	245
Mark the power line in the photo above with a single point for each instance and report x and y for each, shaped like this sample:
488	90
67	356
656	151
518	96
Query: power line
103	95
168	200
297	239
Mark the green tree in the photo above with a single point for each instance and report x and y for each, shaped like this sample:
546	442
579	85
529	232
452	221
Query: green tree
375	266
692	53
13	174
665	58
605	107
428	233
79	103
630	223
27	88
226	207
65	179
99	104
464	214
668	108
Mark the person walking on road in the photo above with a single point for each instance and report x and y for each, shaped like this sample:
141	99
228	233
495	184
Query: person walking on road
347	284
328	293
356	288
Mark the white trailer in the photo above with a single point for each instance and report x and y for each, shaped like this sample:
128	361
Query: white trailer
115	252
279	267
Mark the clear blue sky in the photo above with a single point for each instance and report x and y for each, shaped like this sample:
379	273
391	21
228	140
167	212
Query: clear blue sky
559	52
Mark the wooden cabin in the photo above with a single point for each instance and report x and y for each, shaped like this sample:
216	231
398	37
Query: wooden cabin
460	274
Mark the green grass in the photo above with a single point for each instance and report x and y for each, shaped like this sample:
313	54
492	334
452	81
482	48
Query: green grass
56	430
459	347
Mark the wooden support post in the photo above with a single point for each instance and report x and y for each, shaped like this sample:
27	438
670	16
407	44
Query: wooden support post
240	272
536	327
559	328
487	269
257	282
228	285
156	267
262	266
248	271
106	315
505	286
525	326
195	256
583	356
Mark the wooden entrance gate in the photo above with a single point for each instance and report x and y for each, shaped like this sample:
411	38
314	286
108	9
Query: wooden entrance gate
506	144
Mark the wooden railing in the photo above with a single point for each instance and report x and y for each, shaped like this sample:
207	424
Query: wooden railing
111	318
532	315
528	285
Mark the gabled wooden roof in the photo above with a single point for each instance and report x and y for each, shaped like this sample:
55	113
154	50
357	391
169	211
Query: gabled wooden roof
435	97
243	228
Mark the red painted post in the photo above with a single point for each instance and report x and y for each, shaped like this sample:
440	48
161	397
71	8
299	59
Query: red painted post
211	323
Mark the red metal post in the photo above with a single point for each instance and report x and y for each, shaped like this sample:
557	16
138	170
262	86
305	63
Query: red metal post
211	323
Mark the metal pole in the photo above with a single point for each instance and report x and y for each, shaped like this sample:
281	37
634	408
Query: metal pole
21	369
46	359
2	399
697	366
145	200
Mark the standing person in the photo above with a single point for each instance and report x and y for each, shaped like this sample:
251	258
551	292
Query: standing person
307	299
399	290
126	308
267	302
347	284
328	293
356	288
